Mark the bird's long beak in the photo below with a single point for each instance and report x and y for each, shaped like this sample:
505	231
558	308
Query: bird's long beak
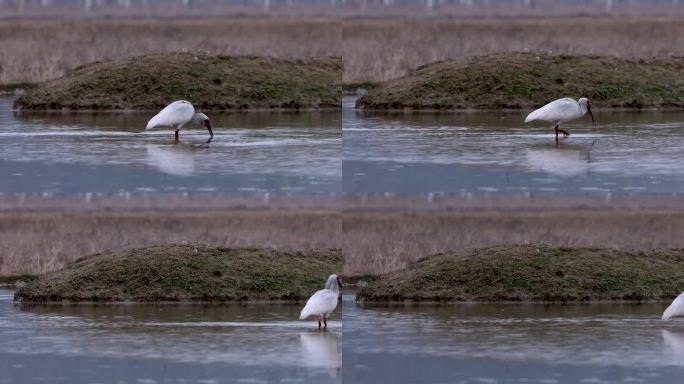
208	125
591	114
339	283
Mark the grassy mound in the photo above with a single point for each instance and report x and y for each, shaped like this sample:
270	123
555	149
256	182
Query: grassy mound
534	273
187	272
207	81
527	80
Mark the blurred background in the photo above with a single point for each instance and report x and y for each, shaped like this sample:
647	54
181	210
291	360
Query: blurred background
379	39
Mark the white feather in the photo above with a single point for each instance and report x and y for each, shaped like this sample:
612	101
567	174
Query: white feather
323	302
558	111
176	115
676	309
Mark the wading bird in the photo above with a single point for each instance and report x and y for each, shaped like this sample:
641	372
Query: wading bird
561	111
676	309
323	302
178	114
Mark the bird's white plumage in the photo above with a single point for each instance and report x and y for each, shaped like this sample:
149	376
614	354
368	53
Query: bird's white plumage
176	115
323	302
676	309
558	111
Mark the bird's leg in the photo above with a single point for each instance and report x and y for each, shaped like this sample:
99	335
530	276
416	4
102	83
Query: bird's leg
325	326
177	134
555	128
319	323
564	132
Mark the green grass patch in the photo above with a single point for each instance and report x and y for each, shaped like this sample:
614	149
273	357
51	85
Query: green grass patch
187	273
534	272
532	79
209	82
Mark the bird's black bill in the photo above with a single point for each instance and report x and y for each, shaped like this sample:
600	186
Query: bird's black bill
208	125
339	283
591	114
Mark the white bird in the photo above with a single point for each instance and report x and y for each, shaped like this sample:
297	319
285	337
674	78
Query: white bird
561	111
178	114
323	302
676	309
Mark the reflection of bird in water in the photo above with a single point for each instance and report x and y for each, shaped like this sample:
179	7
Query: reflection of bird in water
321	350
176	160
560	160
674	341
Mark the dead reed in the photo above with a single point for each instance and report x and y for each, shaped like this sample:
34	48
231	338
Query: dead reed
381	49
36	242
376	49
383	241
39	49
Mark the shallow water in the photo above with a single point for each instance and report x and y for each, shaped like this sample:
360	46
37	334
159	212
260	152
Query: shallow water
280	152
497	152
138	343
509	343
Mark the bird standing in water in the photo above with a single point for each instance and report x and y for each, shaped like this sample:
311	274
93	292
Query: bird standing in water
178	114
561	111
322	303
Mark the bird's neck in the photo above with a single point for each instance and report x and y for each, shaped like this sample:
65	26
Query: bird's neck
583	109
333	287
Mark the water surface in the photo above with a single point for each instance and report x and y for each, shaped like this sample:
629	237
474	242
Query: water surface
497	152
140	343
107	152
508	343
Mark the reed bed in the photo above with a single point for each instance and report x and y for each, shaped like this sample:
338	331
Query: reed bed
374	49
42	241
384	241
33	50
381	49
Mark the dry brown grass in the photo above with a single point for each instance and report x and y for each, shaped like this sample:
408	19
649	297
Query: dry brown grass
383	241
36	242
381	49
36	50
373	48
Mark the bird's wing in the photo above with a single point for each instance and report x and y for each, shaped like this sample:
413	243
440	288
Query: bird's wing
675	309
175	114
322	302
557	110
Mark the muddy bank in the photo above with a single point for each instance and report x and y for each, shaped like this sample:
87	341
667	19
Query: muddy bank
187	273
534	272
525	80
209	82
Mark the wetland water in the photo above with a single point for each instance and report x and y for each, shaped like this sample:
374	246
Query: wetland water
498	152
166	343
85	152
511	343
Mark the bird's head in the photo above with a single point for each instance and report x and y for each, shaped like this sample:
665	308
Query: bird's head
333	282
204	119
585	105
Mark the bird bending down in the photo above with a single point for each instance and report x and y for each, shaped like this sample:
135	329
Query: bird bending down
178	114
323	302
676	309
561	111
